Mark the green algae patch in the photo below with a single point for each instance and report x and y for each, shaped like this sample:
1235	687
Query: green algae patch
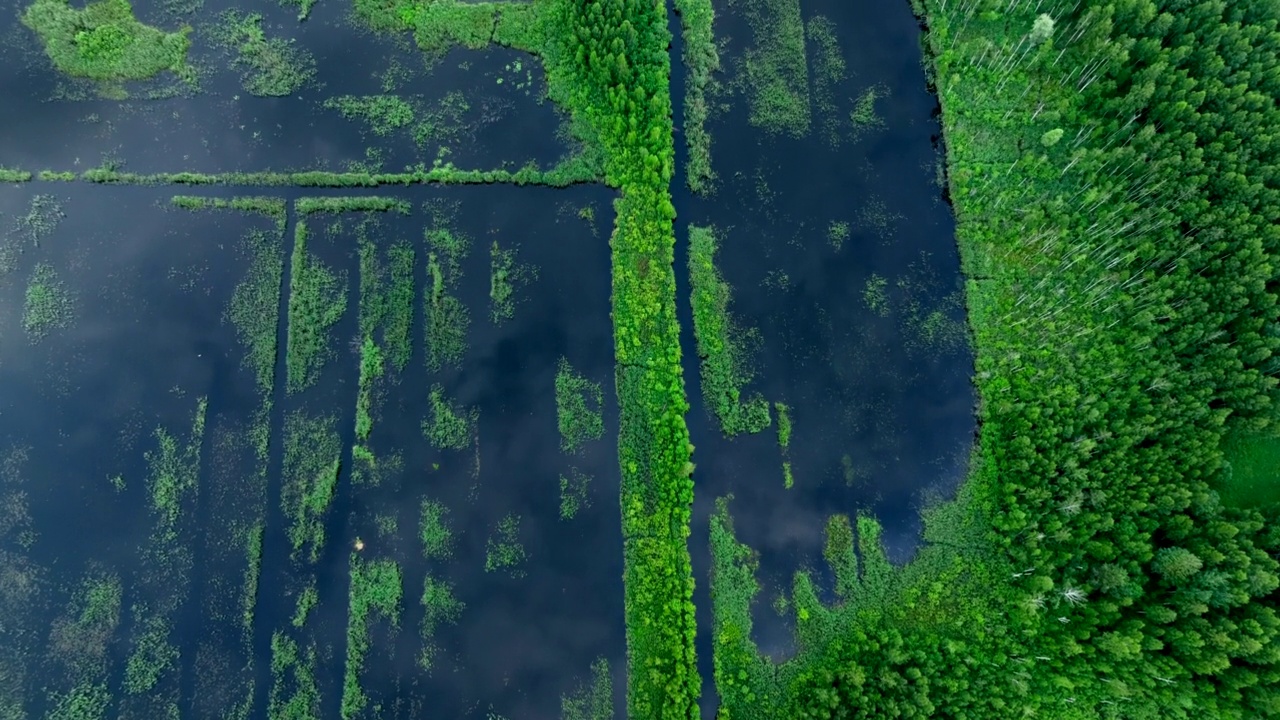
104	41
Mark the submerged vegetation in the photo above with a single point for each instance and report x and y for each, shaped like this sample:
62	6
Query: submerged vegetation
376	586
723	347
774	70
828	73
593	700
104	41
447	318
48	305
579	408
434	531
317	300
449	427
312	460
574	493
439	607
503	550
255	306
269	67
506	277
863	117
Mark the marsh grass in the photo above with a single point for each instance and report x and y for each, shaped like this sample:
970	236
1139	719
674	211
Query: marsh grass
48	305
317	301
447	318
294	693
434	531
376	587
774	70
440	607
828	72
449	427
312	460
503	550
575	493
269	67
506	278
591	700
864	117
579	408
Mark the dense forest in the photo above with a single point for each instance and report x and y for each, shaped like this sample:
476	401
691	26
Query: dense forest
1113	169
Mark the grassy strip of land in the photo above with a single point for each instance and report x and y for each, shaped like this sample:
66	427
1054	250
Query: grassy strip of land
725	365
10	175
317	301
376	586
104	41
784	441
272	207
447	318
570	172
579	408
312	460
701	60
294	693
357	203
774	71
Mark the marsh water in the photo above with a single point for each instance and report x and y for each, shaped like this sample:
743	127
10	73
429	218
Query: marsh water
878	388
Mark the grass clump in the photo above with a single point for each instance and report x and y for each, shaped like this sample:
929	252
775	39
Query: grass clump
294	693
447	318
10	175
864	117
48	304
579	408
503	550
506	276
876	295
376	586
593	700
774	69
253	537
828	72
434	531
174	472
701	60
312	459
383	114
838	233
269	67
304	7
397	329
358	203
42	218
317	300
254	308
440	606
574	493
307	601
722	345
449	427
152	655
784	442
104	41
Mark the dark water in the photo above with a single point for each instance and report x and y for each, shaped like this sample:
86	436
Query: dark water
882	413
148	338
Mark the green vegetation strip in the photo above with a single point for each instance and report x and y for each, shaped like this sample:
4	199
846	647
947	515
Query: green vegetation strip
9	175
722	345
312	460
317	300
360	203
563	175
774	71
701	60
447	318
376	586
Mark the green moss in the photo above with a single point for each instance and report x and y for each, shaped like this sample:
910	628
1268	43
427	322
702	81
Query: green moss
722	344
828	68
574	493
506	277
104	41
1252	476
593	700
376	586
317	300
269	67
449	427
503	550
434	531
312	460
774	69
48	305
440	606
579	408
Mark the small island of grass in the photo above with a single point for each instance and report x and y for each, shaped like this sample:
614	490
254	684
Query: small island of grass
105	41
